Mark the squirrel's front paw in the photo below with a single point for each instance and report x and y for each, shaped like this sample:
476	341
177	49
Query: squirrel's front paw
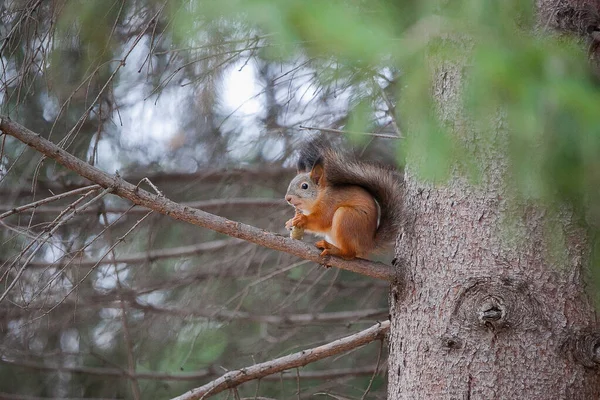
289	224
299	221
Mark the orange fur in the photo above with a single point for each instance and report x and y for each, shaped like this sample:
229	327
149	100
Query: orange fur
354	204
348	216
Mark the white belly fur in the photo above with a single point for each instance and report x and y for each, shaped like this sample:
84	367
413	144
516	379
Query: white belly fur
327	237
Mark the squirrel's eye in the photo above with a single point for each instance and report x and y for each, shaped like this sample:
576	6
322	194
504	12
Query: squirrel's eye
304	185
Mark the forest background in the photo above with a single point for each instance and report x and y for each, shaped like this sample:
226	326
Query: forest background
205	103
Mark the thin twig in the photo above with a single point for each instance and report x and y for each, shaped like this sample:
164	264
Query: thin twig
64	142
329	130
216	204
79	251
209	176
119	240
135	387
111	372
16	26
364	396
345	317
257	388
145	179
298	383
35	204
58	223
391	110
152	255
204	373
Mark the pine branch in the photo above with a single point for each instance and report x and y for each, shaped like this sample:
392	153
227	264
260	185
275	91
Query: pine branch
226	315
12	396
217	204
210	176
112	372
182	377
300	359
139	258
43	237
36	204
340	132
165	206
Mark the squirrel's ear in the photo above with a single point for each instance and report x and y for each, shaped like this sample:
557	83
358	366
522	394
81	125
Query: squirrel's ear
316	174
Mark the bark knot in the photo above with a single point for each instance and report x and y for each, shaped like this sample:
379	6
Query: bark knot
492	312
584	347
495	304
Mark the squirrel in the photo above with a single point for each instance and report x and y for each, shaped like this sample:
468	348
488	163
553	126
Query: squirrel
355	204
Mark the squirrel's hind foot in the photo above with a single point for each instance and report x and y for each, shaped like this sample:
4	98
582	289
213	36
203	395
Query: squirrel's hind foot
329	249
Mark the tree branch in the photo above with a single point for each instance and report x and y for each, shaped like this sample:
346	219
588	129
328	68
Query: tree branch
339	132
112	372
11	396
226	315
165	206
211	176
203	205
300	359
45	236
36	204
182	377
114	298
147	256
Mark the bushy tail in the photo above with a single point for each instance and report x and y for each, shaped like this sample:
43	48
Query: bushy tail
383	182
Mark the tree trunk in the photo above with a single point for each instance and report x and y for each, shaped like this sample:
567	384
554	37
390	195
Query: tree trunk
479	317
482	311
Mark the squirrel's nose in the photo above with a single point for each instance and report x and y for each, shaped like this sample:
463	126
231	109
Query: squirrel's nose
288	198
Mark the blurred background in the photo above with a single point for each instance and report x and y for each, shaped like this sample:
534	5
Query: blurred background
201	102
209	101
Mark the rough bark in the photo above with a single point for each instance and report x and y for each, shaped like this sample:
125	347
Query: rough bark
484	317
482	312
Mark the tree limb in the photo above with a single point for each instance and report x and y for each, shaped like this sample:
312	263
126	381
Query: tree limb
11	396
202	204
147	256
209	176
340	132
226	315
168	207
45	236
182	377
112	372
300	359
36	204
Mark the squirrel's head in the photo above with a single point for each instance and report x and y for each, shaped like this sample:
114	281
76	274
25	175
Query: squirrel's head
304	188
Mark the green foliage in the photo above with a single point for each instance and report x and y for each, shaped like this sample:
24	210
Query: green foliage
538	88
84	43
196	346
359	119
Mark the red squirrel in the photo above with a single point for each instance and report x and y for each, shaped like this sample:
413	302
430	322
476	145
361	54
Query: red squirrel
355	205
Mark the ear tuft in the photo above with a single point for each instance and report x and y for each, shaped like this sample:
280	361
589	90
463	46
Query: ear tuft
311	154
316	174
